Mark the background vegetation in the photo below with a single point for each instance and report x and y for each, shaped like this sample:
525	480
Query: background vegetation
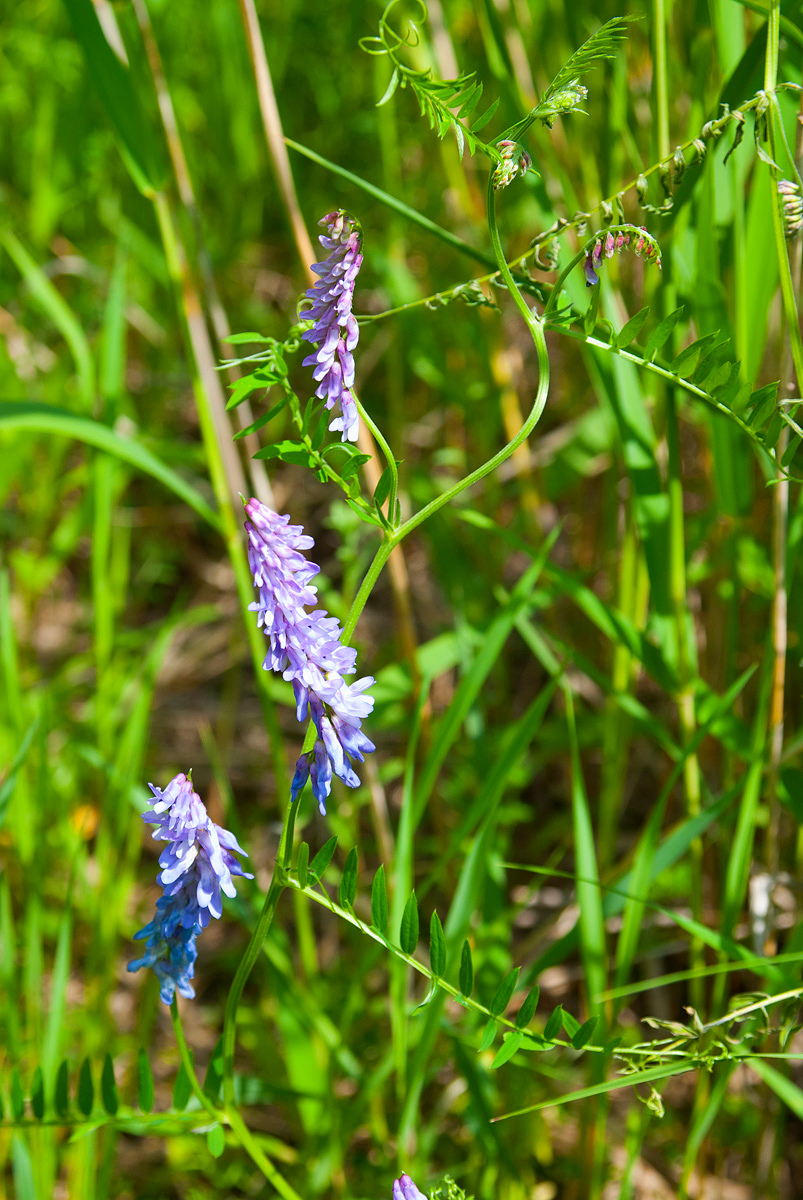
588	669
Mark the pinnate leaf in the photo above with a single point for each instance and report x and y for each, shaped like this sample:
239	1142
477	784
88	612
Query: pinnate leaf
488	1036
527	1010
631	329
582	1036
144	1082
504	992
348	880
508	1048
86	1088
38	1094
466	970
661	334
408	933
322	859
555	1024
108	1087
61	1094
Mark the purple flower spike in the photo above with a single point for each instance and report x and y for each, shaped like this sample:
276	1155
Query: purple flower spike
619	238
336	331
305	647
405	1189
197	866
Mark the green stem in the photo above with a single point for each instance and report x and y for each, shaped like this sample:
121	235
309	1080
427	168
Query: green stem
189	1065
244	968
389	457
267	1168
232	1115
254	947
535	325
555	293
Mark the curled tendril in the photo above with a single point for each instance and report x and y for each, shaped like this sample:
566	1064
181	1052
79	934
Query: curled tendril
389	41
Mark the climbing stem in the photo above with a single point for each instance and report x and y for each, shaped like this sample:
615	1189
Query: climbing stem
536	326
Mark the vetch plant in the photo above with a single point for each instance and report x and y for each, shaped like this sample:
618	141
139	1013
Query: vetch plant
396	1017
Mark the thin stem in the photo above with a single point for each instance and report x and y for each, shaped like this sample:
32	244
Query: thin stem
790	374
535	325
188	1064
555	293
388	453
254	948
267	1168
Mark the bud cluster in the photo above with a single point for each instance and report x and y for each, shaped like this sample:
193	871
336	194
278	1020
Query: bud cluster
792	205
567	100
619	238
515	160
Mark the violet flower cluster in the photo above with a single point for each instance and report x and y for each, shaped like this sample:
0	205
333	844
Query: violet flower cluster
643	244
305	648
335	331
405	1189
197	866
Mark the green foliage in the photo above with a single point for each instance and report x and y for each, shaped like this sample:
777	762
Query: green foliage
408	930
447	104
379	900
579	688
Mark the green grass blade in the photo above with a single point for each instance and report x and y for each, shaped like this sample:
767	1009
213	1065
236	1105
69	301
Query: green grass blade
589	897
140	150
59	312
43	418
470	685
601	1089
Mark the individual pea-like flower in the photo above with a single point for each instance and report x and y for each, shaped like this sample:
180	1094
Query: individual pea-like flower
405	1189
792	206
336	331
306	649
615	239
515	160
197	866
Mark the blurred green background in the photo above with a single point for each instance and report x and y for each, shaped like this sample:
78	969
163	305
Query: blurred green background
125	658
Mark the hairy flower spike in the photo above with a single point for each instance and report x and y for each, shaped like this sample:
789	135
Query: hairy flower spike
336	331
792	204
306	649
405	1189
515	159
617	238
197	866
